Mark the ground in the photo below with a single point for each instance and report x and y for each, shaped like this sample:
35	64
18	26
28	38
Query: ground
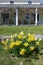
7	59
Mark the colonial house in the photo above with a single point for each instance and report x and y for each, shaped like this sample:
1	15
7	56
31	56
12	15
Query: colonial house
21	12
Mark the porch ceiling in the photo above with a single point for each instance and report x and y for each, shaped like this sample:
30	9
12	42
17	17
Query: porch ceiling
28	10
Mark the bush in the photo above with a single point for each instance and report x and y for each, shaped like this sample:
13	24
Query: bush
22	45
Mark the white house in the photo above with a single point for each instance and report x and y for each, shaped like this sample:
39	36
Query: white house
21	12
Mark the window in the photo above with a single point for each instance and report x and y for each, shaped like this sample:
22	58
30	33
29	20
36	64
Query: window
5	16
27	16
37	17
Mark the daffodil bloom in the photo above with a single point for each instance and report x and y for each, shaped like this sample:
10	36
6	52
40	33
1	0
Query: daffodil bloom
18	43
32	48
12	45
4	42
26	44
21	33
28	34
39	39
37	43
35	39
22	52
31	38
20	36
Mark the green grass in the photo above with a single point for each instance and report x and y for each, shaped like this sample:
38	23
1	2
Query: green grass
8	30
7	59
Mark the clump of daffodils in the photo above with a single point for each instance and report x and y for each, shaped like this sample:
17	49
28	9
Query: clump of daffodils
21	44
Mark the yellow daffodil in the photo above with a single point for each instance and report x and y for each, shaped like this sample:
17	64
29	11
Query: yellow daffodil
39	39
18	43
12	45
26	44
28	34
37	43
31	38
35	39
4	42
22	52
19	36
21	33
32	48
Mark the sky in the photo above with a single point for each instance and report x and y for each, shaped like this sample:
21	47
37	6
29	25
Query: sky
41	0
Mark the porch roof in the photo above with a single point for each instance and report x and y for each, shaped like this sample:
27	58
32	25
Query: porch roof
21	4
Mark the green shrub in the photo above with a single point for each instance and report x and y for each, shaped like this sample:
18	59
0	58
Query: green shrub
22	45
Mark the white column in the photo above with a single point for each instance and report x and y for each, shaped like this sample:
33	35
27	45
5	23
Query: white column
36	16
16	16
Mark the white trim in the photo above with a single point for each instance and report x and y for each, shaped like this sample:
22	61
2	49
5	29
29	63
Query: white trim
36	3
15	3
5	3
20	2
16	16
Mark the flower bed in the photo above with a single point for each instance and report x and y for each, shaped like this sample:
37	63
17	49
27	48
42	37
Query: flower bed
22	45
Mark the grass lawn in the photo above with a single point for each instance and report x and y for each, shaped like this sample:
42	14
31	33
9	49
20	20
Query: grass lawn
7	59
7	30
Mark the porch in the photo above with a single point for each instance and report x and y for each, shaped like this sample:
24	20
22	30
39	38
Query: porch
21	16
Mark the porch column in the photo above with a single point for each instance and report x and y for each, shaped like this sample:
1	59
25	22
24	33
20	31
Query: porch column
36	17
16	16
